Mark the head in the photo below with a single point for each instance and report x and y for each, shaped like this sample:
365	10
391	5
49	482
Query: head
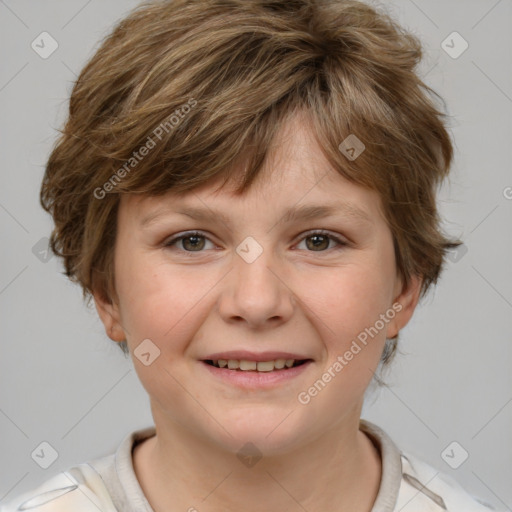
251	108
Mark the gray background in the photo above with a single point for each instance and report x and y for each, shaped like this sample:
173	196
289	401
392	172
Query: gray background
64	382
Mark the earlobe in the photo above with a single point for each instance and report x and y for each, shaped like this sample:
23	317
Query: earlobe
109	315
404	305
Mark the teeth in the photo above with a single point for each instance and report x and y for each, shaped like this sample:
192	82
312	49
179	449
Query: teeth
247	365
265	366
260	366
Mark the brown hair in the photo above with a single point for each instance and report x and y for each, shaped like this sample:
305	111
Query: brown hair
201	83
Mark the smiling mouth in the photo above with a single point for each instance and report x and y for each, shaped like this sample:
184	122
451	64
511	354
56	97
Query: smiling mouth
256	366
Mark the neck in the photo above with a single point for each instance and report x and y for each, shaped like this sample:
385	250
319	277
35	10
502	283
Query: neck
180	469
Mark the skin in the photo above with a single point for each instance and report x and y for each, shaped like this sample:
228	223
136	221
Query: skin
295	297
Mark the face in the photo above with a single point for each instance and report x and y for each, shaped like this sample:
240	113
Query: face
253	282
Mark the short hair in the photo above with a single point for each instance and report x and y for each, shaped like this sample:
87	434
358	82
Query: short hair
205	85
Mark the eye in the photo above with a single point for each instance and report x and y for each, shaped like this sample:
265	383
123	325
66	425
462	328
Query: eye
195	241
190	242
320	241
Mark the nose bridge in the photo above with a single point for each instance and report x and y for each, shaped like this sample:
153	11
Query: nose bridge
255	293
252	265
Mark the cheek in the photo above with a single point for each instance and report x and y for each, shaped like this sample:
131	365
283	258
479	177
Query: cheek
351	325
349	322
158	302
353	298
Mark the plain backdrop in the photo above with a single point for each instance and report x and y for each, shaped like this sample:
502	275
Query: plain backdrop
62	381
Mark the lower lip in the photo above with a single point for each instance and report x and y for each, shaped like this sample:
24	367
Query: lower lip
255	379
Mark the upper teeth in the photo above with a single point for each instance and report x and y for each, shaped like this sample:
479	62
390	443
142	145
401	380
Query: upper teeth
261	366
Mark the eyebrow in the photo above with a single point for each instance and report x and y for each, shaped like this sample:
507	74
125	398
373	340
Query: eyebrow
292	214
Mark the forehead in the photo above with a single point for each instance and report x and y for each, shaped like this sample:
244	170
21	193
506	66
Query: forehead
295	173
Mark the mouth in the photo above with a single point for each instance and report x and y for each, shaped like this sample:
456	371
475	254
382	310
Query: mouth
244	365
256	371
251	370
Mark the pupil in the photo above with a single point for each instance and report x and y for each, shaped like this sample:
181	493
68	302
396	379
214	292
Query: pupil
194	245
317	243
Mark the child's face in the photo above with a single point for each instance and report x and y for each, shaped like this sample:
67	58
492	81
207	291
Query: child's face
306	296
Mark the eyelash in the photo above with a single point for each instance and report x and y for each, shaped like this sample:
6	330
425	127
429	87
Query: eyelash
341	243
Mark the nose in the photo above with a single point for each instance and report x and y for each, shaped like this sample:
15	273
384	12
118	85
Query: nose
256	293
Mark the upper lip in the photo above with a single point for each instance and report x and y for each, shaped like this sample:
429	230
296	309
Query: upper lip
254	356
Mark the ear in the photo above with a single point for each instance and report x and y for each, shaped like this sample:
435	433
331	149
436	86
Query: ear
108	312
406	300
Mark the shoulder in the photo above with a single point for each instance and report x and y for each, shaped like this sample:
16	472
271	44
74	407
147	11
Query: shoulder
434	490
79	488
408	483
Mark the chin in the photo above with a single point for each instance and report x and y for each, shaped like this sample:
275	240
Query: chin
271	434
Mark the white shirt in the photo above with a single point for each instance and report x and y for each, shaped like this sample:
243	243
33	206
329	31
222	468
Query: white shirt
109	484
